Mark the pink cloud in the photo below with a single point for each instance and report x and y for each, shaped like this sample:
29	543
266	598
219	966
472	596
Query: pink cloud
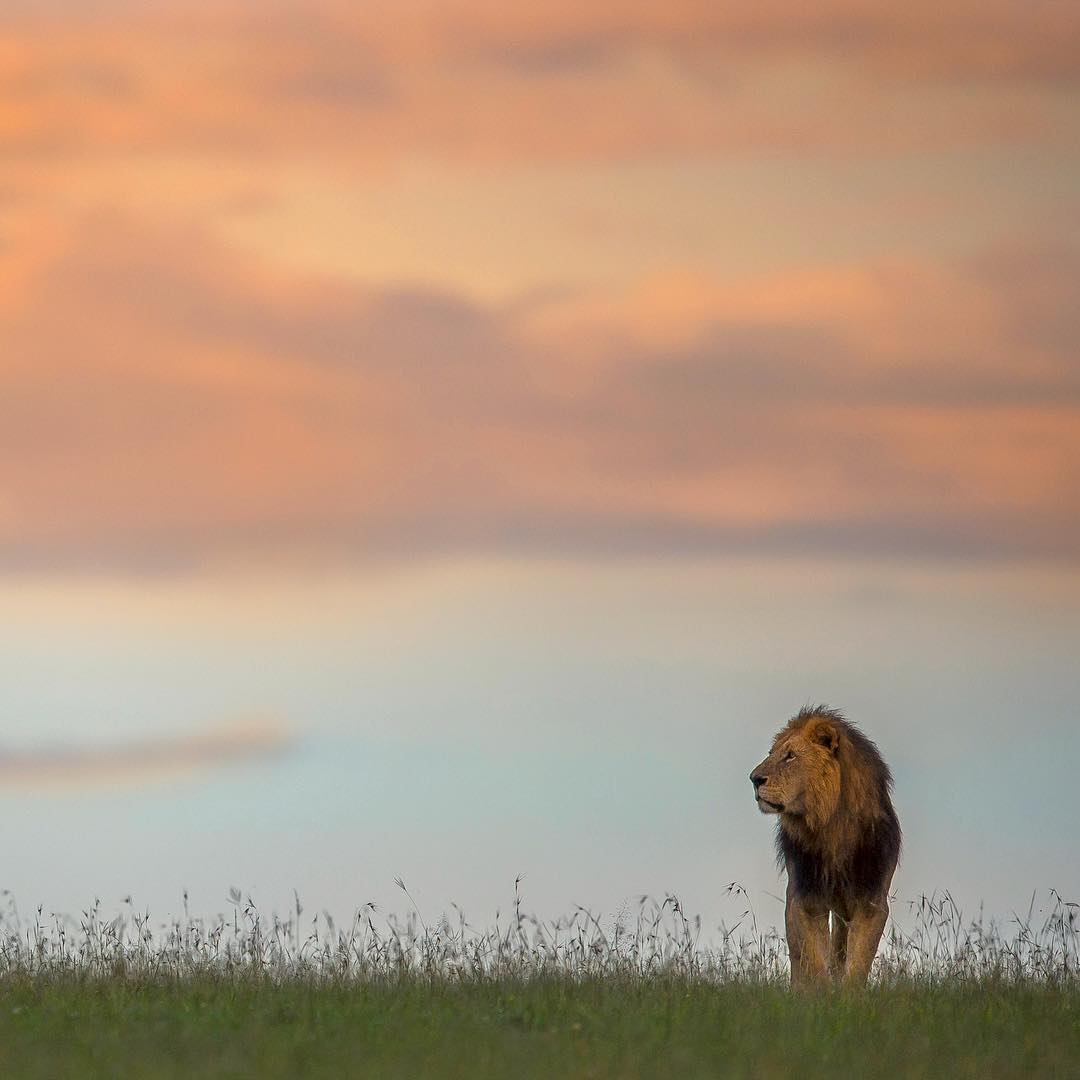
494	82
142	760
166	402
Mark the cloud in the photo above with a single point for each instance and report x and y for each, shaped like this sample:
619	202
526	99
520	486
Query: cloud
962	40
477	81
142	760
168	403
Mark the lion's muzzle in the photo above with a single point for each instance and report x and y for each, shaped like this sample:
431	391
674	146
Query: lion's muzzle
759	779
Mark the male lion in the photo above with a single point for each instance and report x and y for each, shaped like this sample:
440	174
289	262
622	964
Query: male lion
838	838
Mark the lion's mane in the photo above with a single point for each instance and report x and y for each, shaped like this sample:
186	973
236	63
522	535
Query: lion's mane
849	836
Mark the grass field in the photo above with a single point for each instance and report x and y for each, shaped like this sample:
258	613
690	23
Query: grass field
243	996
551	1027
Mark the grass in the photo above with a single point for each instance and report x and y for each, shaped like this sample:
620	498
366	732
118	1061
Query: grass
644	996
547	1027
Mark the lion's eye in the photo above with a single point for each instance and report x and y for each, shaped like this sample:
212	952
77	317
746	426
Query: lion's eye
790	755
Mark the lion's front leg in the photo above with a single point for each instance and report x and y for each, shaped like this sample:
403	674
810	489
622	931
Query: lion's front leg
864	934
838	942
807	923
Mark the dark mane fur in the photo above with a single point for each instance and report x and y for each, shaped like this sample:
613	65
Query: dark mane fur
859	845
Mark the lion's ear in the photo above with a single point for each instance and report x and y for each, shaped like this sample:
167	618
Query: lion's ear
827	735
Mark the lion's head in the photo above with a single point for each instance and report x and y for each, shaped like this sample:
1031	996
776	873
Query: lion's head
801	777
826	780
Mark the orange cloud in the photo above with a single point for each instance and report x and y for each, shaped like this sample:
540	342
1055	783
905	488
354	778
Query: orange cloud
476	80
140	761
165	402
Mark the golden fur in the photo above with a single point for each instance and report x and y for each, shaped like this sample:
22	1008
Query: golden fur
838	838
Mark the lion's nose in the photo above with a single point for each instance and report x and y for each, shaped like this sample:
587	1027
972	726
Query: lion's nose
757	779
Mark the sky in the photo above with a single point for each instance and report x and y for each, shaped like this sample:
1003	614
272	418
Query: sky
448	440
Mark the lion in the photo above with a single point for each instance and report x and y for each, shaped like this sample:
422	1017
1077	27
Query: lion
838	837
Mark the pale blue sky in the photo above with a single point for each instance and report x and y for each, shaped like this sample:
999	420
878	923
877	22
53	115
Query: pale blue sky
590	725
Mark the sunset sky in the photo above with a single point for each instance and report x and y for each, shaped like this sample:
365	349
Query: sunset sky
528	407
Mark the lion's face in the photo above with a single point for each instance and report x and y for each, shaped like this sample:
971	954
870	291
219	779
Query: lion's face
801	775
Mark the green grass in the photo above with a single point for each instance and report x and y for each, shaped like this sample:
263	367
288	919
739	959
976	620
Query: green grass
667	1027
643	994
